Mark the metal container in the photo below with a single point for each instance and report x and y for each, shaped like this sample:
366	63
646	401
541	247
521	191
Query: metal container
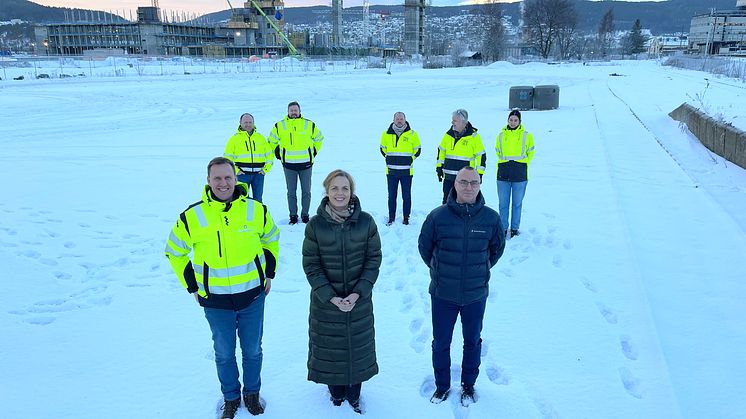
546	97
521	97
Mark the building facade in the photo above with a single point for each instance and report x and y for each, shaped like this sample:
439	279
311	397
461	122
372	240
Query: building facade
254	29
719	32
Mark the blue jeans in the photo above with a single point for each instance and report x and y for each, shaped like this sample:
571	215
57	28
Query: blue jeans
249	323
406	193
255	182
444	315
504	192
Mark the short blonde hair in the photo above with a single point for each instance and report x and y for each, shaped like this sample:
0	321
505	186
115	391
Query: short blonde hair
337	173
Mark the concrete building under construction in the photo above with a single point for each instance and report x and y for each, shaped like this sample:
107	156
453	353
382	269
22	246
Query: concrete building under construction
255	29
720	32
414	27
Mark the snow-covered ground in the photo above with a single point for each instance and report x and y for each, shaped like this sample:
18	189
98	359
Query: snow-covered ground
623	297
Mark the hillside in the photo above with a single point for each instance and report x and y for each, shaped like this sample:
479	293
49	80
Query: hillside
32	12
659	17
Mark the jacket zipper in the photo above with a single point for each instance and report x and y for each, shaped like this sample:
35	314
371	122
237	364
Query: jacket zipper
344	278
466	250
220	246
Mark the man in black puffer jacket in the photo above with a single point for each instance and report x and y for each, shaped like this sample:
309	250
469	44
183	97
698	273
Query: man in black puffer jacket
460	241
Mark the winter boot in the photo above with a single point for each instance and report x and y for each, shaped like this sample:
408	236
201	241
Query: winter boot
304	219
293	219
406	221
229	408
355	404
439	396
514	233
253	403
390	221
467	394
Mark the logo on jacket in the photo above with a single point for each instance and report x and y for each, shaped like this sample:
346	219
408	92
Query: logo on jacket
226	219
478	231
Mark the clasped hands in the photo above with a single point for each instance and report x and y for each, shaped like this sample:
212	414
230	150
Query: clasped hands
345	304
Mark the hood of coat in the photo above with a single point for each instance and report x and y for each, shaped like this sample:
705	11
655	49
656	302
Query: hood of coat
468	130
242	131
391	128
321	211
517	128
241	191
464	209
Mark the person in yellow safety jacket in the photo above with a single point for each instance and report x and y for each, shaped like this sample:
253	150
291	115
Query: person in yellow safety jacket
252	154
515	150
235	247
297	141
400	145
461	146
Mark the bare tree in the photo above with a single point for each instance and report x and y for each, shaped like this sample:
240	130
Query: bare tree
605	30
543	19
567	32
494	37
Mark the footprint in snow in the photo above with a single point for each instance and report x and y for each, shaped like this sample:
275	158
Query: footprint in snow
607	313
518	260
419	341
557	261
588	285
407	303
545	408
628	349
631	383
498	375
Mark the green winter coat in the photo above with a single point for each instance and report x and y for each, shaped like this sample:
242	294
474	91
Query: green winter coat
340	259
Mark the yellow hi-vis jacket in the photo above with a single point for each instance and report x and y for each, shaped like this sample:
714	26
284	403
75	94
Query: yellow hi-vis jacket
455	154
234	246
251	153
297	142
401	151
515	150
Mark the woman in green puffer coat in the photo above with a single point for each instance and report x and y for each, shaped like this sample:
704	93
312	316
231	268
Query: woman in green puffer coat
341	257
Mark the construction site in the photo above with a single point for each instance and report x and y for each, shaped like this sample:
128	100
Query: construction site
255	29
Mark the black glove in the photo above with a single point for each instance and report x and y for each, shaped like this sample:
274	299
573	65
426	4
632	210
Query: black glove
439	171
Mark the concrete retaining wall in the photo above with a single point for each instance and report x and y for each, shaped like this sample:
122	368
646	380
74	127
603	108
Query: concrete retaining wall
723	139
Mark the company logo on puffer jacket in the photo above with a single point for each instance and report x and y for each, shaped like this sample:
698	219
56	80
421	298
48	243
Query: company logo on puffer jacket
478	231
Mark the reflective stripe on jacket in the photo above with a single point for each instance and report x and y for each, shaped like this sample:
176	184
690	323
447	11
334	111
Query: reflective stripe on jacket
400	151
251	153
234	247
515	150
467	150
298	140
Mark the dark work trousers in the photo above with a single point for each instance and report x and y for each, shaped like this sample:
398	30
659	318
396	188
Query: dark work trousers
351	393
447	186
406	193
291	178
444	318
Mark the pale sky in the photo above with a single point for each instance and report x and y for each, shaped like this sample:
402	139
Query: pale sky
208	6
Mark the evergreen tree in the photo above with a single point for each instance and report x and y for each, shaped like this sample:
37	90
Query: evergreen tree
634	41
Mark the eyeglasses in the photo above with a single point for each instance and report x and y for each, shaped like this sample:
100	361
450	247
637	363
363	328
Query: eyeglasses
465	183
